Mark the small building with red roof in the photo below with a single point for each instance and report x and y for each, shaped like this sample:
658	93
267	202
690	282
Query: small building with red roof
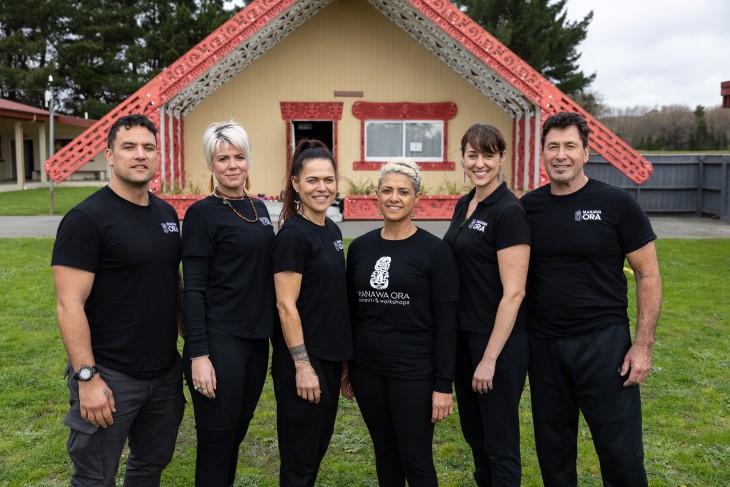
24	145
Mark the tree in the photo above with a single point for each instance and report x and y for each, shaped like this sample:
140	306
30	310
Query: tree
98	51
114	47
29	34
538	31
701	138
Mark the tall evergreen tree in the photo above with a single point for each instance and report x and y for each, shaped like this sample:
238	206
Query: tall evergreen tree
538	31
29	34
96	57
98	51
701	138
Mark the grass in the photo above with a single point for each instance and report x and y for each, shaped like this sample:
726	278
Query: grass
37	201
686	401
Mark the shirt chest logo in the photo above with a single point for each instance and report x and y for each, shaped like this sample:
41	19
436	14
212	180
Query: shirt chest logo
380	276
169	227
338	245
477	225
265	221
584	215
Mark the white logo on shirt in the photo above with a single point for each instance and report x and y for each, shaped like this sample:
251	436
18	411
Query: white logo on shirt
582	215
169	227
379	277
338	245
477	225
265	221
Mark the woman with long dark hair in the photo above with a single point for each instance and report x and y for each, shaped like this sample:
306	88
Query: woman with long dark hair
314	338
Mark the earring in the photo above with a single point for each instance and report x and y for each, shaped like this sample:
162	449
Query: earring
500	174
297	202
248	183
380	213
210	184
413	214
465	176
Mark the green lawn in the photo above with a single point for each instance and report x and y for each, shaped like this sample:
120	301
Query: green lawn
686	401
37	201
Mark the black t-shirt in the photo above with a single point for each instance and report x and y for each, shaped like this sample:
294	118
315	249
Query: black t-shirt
316	252
576	281
134	253
498	222
229	283
393	287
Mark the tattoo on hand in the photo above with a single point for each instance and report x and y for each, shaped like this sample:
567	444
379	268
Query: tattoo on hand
299	353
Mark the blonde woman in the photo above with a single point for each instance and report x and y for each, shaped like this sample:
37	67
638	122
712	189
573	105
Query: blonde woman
229	304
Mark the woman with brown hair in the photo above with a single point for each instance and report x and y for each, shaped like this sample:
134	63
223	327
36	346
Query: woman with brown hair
490	237
314	338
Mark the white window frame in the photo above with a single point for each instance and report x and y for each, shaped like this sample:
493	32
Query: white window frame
439	158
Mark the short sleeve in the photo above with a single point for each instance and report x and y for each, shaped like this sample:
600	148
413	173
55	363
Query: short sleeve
634	227
290	250
78	242
512	228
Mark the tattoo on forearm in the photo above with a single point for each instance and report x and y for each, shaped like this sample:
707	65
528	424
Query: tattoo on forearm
299	353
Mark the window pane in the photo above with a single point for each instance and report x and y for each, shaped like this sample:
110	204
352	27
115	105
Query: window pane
383	139
424	140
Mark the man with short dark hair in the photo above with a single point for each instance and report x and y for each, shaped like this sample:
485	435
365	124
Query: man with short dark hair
581	354
115	266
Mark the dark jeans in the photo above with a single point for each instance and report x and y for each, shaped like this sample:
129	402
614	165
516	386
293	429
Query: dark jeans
148	414
397	413
490	422
221	423
582	373
303	428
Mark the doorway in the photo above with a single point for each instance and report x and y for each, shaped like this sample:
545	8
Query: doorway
27	159
322	130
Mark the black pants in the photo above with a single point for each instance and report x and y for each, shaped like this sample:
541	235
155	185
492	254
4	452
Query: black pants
148	415
304	429
490	422
222	423
582	372
397	413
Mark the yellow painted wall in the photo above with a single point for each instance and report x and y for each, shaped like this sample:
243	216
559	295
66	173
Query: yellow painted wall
348	46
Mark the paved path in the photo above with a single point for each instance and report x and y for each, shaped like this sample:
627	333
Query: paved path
664	226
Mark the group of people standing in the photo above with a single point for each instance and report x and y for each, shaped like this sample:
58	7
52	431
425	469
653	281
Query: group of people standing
515	286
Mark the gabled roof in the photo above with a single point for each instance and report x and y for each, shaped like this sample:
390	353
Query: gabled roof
18	111
438	25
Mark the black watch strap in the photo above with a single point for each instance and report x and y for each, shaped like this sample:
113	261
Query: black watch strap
84	370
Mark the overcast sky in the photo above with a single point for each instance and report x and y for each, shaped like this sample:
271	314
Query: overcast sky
656	52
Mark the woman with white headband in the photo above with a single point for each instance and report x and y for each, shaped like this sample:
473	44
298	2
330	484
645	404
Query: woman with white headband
403	288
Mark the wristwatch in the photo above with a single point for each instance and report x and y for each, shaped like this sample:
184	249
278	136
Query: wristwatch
85	373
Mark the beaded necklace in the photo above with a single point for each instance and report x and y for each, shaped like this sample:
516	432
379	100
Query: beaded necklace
225	199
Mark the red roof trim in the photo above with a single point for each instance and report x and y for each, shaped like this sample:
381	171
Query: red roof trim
19	111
